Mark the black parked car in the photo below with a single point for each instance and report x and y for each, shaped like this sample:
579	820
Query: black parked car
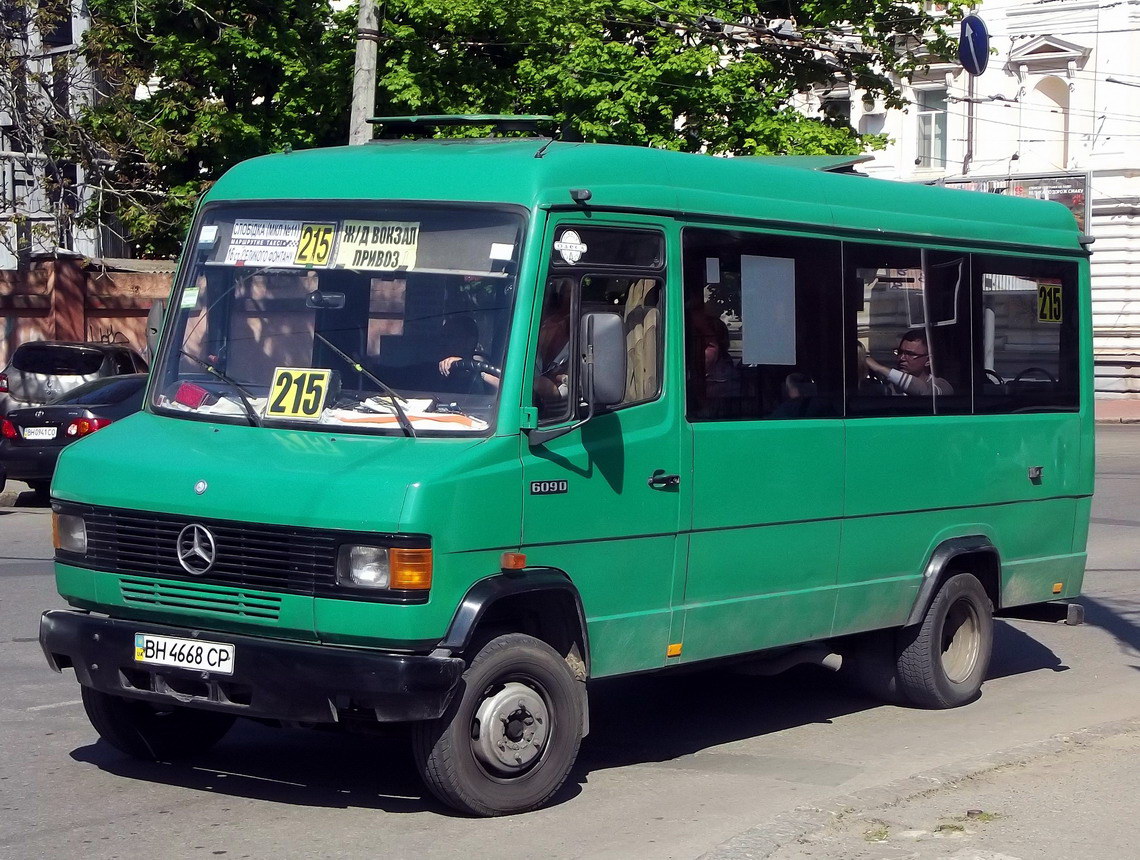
42	371
31	438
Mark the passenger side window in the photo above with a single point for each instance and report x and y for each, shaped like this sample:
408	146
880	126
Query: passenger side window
763	326
639	302
600	270
911	353
1028	335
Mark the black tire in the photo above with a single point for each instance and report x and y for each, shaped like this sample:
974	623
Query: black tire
466	768
143	731
943	661
39	488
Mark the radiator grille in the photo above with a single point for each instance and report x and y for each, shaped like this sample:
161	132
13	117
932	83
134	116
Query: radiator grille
250	557
223	601
255	556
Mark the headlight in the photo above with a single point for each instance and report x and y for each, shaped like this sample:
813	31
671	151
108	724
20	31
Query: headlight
394	568
363	565
69	533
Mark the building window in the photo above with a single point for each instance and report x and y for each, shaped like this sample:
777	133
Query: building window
55	23
931	104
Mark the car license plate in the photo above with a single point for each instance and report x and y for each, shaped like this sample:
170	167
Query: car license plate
184	653
40	432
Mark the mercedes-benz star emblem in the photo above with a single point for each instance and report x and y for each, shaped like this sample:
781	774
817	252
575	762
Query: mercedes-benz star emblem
200	487
196	549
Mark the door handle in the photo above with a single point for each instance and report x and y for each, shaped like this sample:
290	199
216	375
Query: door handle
658	479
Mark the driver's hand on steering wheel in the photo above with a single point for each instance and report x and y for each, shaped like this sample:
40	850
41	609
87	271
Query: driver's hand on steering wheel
445	365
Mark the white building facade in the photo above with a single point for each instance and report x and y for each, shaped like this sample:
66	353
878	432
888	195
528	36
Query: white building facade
1055	115
44	74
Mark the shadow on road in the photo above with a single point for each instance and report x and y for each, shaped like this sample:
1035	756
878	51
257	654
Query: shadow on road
1116	619
1016	653
293	766
25	499
639	720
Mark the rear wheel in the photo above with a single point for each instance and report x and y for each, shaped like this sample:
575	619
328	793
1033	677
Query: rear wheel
943	661
144	731
510	736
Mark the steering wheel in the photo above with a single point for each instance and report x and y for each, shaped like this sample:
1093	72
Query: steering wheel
1034	371
476	365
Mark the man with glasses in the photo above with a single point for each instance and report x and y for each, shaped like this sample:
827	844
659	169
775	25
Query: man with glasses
912	374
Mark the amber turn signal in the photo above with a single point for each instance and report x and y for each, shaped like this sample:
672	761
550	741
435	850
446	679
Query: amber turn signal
513	560
409	568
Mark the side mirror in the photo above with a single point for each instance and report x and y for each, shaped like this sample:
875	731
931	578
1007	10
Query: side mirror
154	326
603	345
602	375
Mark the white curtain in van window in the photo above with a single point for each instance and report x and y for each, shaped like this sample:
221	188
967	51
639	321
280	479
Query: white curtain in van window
768	309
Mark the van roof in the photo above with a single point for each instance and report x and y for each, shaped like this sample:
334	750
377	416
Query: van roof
538	173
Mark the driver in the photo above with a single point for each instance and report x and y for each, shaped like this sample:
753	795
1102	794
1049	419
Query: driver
461	338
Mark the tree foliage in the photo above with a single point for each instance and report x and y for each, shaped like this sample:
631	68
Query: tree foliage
190	87
678	74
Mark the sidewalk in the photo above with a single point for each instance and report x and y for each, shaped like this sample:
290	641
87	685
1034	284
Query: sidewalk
1072	796
1122	411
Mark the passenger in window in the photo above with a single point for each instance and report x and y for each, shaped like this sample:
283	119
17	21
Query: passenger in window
714	379
912	374
552	365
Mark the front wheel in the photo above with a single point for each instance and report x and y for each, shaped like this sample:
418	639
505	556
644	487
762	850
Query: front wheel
943	661
144	731
510	736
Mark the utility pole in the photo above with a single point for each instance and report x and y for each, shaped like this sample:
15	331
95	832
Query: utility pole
364	74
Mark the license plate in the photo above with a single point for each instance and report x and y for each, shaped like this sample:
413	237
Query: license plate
39	432
184	653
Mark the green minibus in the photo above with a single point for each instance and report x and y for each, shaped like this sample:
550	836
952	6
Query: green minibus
440	430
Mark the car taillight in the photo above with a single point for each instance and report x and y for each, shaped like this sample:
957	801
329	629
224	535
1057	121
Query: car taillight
84	426
8	429
3	383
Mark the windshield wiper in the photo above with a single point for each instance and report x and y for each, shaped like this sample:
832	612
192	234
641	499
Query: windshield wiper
401	416
241	392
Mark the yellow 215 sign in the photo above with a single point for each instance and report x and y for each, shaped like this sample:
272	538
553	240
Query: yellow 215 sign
298	393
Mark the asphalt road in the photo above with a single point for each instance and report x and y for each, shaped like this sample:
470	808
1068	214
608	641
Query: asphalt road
674	767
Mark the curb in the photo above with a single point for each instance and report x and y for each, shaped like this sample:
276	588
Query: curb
765	839
1118	420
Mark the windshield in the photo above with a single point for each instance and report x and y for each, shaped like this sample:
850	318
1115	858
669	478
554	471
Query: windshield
359	317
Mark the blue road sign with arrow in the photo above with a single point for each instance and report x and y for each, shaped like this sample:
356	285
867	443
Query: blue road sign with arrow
974	45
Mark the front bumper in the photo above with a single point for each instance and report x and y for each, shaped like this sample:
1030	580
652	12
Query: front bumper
272	679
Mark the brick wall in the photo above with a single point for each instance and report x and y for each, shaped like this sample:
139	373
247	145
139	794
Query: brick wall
76	300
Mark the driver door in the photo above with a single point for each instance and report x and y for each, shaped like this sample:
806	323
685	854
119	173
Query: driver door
602	502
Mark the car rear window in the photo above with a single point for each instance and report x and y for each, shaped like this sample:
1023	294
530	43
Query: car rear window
100	392
57	360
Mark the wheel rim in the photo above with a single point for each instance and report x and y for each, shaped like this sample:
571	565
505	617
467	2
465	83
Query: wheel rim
961	640
511	728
